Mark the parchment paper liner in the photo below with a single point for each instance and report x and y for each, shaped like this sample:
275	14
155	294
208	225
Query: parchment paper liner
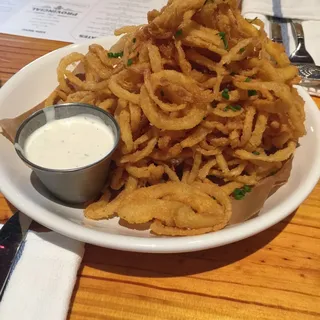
241	209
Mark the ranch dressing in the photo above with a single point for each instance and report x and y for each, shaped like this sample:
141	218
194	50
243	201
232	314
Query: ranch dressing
69	143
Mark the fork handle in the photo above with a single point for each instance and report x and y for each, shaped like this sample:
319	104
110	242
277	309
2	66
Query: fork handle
297	27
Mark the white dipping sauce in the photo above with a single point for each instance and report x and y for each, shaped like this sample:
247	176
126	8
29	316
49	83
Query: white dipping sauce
69	143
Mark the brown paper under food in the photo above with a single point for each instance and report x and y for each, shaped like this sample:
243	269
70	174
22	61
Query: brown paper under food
253	202
10	126
242	209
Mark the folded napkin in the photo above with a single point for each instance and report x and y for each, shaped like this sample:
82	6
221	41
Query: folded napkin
291	9
308	11
41	285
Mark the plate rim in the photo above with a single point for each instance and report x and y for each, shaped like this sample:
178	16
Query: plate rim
162	244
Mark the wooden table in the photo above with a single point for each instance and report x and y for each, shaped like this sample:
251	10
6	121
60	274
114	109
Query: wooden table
273	275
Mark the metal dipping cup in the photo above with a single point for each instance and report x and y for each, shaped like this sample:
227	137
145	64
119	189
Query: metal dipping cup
69	185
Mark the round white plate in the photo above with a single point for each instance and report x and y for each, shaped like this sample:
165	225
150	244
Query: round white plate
35	82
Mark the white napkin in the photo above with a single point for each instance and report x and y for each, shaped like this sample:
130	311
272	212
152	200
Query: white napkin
41	285
291	9
307	10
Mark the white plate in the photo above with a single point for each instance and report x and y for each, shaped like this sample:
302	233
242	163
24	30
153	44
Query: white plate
35	82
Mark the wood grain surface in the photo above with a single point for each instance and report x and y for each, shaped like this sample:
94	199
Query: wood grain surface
273	275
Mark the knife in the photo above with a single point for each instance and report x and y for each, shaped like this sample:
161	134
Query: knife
275	30
12	236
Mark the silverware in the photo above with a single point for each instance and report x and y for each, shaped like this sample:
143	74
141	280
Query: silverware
300	54
73	185
12	236
310	73
275	30
308	70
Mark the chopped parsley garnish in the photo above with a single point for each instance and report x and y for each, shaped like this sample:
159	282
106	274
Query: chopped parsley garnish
225	94
130	62
242	50
252	93
134	40
236	108
239	194
247	80
256	153
115	54
213	104
178	33
222	35
252	20
233	108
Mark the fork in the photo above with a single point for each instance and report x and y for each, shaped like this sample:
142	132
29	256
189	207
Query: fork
309	72
300	54
301	57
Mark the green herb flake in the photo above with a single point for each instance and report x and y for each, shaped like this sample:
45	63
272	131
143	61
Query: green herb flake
225	109
238	194
234	108
242	50
232	73
256	153
247	80
225	94
213	104
130	62
222	35
238	191
178	33
134	40
239	197
252	20
252	93
115	54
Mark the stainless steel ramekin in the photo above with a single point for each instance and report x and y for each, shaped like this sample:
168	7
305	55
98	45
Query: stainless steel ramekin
71	185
